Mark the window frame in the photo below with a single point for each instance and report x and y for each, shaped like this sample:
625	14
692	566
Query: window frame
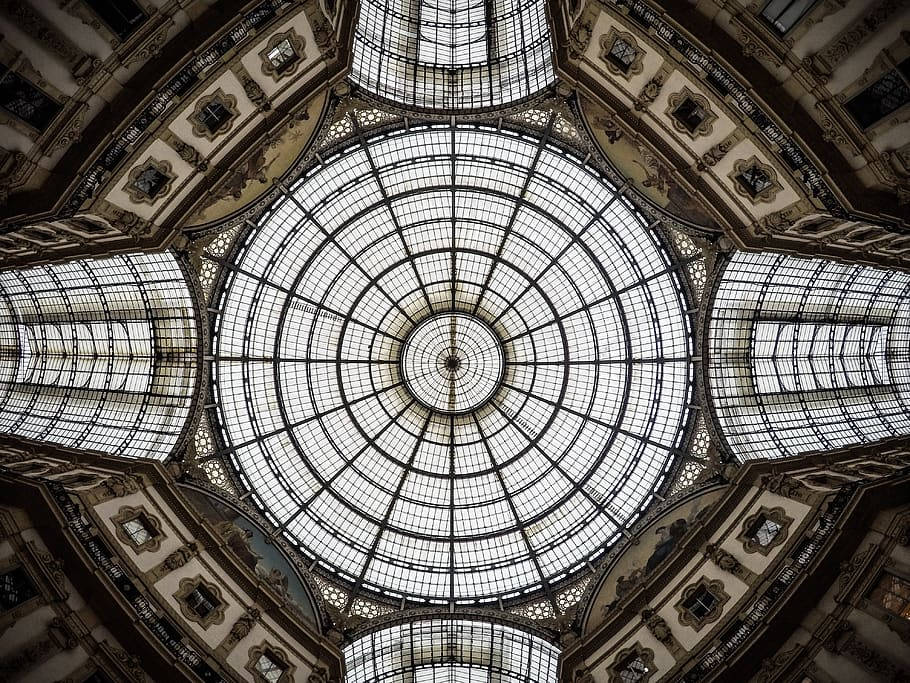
128	514
776	515
677	100
288	67
226	101
627	656
140	196
187	587
608	41
773	25
721	597
277	655
29	580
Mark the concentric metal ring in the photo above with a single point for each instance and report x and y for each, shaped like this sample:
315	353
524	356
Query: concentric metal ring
529	473
452	362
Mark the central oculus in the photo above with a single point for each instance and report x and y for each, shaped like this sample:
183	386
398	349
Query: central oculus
452	362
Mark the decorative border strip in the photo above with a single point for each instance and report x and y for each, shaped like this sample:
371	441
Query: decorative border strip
755	617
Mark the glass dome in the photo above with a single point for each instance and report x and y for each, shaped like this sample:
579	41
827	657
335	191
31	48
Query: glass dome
452	364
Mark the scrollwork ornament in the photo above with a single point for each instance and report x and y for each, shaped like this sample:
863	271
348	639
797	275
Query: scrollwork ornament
658	626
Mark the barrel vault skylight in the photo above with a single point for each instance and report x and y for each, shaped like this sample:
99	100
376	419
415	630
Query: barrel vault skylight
452	54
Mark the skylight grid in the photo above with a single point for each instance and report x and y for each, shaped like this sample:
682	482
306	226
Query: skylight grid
452	54
101	354
448	392
814	391
450	651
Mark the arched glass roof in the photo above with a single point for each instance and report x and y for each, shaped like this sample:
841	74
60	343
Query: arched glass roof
98	354
452	363
445	650
807	354
452	54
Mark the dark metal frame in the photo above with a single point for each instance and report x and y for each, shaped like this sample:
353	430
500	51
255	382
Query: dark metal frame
356	585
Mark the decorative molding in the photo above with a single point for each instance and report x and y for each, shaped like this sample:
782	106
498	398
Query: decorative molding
117	486
651	89
174	561
843	641
728	563
186	151
716	588
777	515
788	487
127	514
710	158
240	630
186	587
659	628
825	60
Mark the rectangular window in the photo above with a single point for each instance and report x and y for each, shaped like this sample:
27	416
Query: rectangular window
893	593
282	56
754	181
117	355
202	601
888	94
622	54
764	531
700	603
26	101
15	588
270	667
139	530
804	356
633	670
123	17
150	181
689	114
213	116
783	14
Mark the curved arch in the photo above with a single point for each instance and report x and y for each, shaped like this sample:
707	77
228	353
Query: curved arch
450	55
497	225
807	354
99	354
441	648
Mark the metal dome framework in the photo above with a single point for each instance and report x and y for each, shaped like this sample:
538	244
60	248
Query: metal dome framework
441	55
450	650
518	492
